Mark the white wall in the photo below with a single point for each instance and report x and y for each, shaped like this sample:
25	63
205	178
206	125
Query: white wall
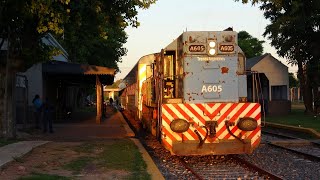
35	83
276	72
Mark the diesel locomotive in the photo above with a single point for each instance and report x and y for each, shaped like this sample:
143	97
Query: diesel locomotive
192	95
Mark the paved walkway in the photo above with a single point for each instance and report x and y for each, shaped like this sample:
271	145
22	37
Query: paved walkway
113	127
13	151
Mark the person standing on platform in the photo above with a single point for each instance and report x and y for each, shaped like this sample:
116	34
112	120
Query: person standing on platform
47	116
111	101
37	104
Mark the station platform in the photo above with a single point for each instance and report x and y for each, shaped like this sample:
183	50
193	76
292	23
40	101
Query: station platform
112	127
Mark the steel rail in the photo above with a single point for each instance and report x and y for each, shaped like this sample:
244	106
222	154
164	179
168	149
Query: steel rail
260	170
190	169
280	135
308	156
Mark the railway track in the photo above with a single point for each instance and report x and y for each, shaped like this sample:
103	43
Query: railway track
281	163
284	161
203	167
308	149
224	167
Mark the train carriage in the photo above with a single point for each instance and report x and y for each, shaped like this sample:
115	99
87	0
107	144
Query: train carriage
193	95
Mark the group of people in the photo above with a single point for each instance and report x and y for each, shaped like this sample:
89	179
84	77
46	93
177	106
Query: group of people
42	111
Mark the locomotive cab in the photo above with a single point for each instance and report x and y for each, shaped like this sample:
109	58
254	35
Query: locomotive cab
172	82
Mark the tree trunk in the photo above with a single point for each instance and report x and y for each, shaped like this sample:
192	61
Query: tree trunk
9	122
305	88
308	99
2	90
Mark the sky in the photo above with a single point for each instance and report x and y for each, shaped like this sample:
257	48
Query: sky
167	19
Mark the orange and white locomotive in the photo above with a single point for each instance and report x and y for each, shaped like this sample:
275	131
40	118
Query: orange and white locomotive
193	96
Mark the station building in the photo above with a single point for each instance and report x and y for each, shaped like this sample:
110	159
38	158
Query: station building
268	84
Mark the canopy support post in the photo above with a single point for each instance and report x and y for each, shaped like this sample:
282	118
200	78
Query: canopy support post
99	100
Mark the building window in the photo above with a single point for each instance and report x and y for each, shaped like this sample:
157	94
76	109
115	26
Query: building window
279	92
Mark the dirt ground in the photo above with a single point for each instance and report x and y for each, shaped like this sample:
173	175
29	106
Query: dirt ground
63	148
51	159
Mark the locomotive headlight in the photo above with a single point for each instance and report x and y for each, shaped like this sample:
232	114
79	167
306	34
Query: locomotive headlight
212	44
179	125
247	124
212	51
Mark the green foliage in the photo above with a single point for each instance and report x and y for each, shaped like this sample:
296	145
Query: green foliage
78	164
92	31
4	142
95	32
85	148
294	31
294	28
251	46
293	81
23	24
298	118
123	154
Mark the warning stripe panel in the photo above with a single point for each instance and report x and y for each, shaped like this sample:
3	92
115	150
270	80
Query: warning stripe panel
183	115
199	114
237	116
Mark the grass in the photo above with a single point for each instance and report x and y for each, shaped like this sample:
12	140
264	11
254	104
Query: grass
85	148
38	176
297	118
78	164
120	155
4	142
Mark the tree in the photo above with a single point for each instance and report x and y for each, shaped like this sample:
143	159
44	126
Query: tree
19	32
251	46
293	81
23	24
294	30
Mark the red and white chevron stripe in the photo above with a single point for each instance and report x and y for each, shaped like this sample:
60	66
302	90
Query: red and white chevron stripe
198	114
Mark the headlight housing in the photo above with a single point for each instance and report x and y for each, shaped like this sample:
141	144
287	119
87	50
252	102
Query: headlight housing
212	46
247	124
179	125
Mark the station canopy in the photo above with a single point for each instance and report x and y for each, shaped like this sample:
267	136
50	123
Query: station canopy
78	73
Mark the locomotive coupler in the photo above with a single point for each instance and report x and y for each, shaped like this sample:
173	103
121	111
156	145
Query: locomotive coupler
211	125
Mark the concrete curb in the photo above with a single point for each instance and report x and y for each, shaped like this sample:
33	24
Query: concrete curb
129	131
295	128
151	167
16	150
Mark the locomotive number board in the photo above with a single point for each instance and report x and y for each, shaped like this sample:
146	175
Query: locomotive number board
201	49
